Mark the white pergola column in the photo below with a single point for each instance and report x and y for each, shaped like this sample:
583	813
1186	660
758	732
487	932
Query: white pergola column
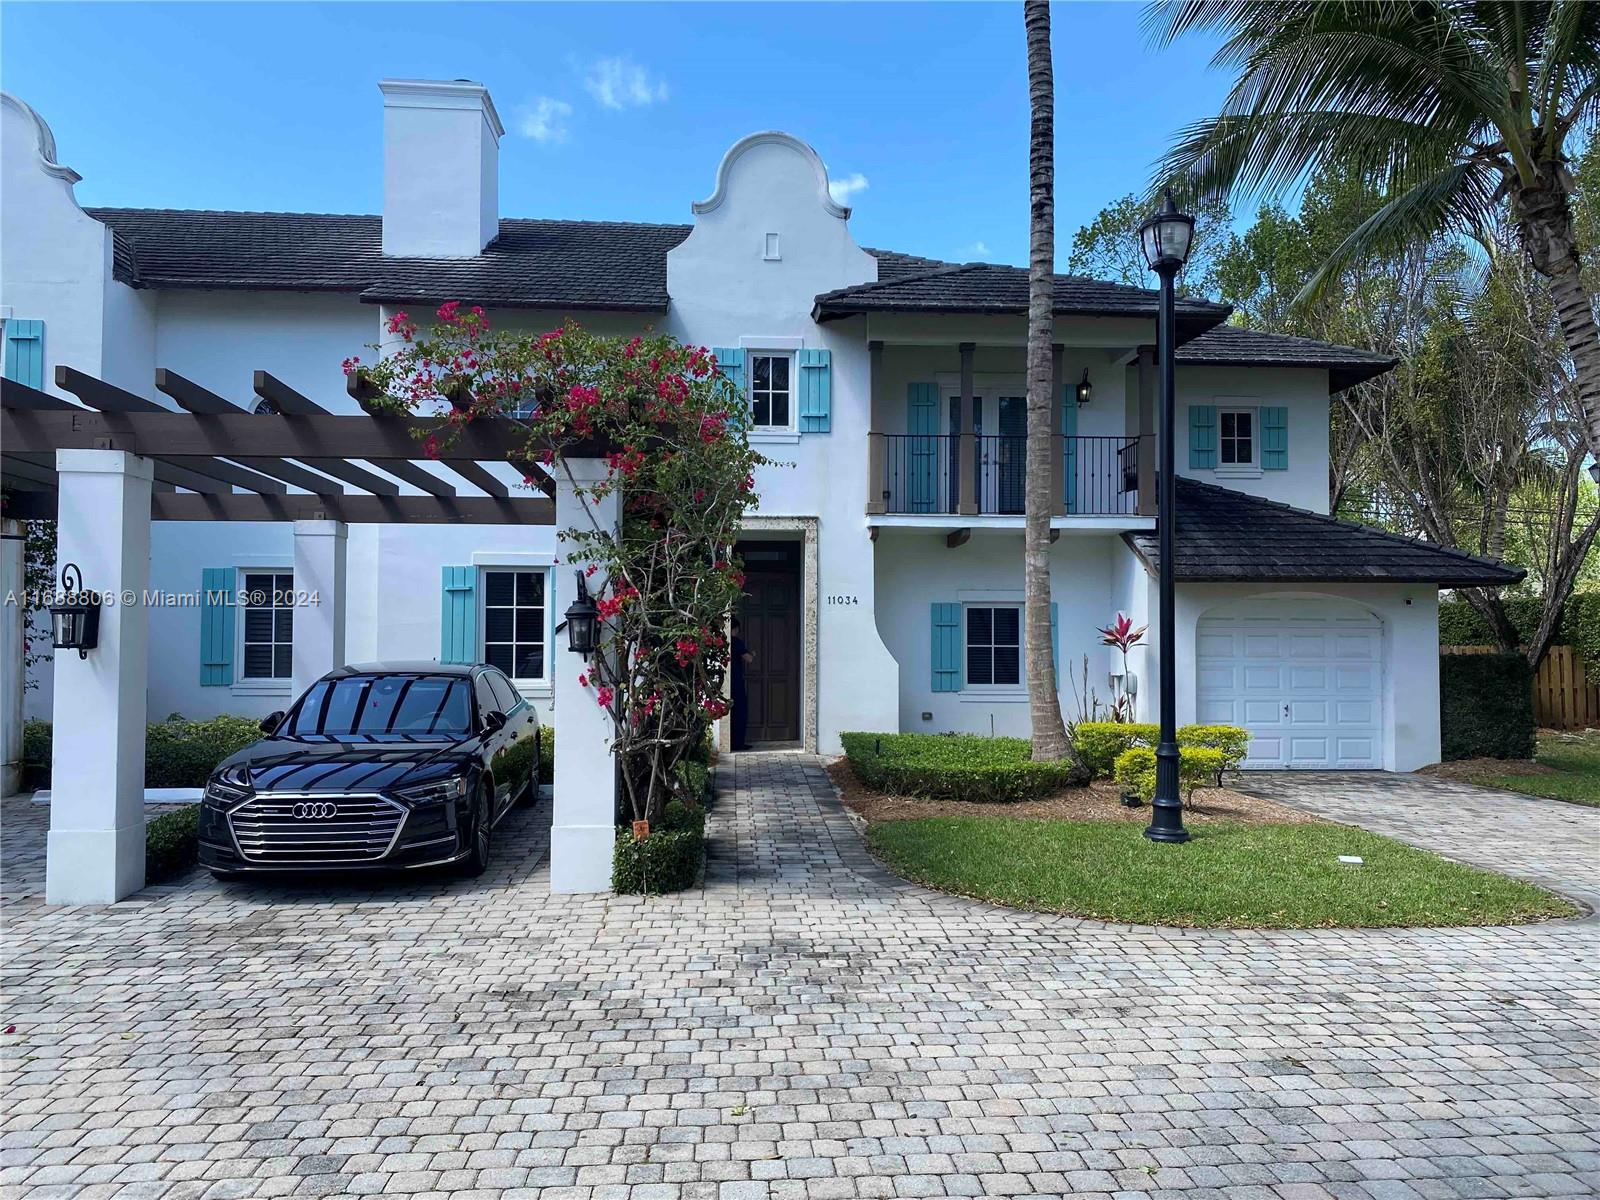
319	568
13	618
95	852
583	828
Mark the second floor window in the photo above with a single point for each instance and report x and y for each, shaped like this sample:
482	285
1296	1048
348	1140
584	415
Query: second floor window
770	388
267	603
1236	440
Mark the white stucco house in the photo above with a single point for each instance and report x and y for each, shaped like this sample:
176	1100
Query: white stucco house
884	561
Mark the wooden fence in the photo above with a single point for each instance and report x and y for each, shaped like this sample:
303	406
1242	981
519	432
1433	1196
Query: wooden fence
1563	697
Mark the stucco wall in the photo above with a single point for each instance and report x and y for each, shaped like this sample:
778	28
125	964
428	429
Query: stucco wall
1304	393
917	569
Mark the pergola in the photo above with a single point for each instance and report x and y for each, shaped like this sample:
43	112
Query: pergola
104	470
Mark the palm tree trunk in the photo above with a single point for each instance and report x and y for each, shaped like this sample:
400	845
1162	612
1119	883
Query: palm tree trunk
1044	704
1544	220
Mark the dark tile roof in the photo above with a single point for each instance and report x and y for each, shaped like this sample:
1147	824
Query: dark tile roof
1224	536
1232	345
995	288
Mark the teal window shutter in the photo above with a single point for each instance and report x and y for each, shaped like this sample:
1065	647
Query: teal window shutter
1055	646
921	461
1069	430
1202	437
730	363
25	352
947	647
1274	439
216	626
458	616
816	390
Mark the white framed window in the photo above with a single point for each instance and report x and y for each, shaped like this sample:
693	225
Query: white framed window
513	621
772	404
1236	437
993	634
266	625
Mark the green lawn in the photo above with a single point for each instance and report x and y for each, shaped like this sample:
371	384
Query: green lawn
1574	759
1285	876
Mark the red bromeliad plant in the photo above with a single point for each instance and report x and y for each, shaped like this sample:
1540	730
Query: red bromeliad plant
674	435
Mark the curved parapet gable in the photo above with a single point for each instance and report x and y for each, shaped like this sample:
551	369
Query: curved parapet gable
771	137
44	142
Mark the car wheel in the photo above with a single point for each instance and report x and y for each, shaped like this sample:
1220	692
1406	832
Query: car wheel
477	860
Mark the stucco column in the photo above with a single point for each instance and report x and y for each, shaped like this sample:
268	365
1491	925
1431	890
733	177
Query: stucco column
13	618
319	570
95	851
583	827
965	445
876	428
1147	431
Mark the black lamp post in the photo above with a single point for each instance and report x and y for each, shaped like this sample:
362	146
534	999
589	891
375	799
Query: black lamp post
1166	238
75	616
583	621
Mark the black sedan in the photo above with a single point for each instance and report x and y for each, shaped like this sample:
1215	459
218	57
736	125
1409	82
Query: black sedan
383	765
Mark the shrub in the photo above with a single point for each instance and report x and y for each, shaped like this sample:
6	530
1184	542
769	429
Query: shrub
547	754
1459	625
177	753
171	843
666	861
1485	706
697	777
1135	769
955	767
1230	741
678	816
1100	742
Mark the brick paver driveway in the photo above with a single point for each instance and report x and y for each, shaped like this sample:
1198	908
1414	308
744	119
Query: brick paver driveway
803	1027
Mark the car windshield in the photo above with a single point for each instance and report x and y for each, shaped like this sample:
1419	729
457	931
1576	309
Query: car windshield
379	707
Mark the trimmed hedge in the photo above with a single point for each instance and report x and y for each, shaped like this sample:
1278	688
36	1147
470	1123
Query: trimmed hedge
1100	742
1135	769
1485	706
177	754
1459	625
956	767
171	843
1231	742
666	861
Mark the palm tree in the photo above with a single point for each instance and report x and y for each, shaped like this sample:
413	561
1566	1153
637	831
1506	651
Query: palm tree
1451	107
1044	705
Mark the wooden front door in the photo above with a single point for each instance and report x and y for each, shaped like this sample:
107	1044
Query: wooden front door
770	613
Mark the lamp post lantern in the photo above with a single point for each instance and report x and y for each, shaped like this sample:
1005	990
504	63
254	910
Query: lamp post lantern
1166	238
75	615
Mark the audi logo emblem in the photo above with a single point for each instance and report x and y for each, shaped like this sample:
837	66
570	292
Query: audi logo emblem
314	810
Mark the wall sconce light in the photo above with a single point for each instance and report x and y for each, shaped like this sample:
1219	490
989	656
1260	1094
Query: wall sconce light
1085	389
75	617
583	620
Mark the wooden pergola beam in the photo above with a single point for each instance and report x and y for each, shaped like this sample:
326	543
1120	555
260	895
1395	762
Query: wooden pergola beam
203	402
39	501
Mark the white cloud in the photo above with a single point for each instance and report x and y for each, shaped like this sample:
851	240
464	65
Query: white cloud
842	189
978	249
620	83
545	120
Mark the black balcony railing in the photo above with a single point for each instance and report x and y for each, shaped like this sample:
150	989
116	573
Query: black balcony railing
922	474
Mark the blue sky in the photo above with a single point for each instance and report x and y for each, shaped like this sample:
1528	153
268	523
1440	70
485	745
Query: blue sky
613	111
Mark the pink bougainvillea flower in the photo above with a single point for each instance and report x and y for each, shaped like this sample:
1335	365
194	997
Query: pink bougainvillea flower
604	697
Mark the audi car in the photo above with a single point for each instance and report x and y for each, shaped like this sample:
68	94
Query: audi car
385	765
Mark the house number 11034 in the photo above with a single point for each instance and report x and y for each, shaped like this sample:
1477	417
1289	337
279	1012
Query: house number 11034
844	600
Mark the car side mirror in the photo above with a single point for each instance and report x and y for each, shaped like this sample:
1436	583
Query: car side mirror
494	722
271	721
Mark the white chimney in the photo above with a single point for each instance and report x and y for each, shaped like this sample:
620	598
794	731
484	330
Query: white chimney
441	167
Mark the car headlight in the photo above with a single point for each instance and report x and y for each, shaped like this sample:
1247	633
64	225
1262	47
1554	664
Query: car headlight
224	795
436	792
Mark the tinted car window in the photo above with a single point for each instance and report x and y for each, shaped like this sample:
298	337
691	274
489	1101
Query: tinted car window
505	695
487	703
379	705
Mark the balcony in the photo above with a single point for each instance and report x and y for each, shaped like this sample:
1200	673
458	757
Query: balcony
986	475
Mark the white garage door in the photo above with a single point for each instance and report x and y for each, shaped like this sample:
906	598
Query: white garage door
1303	676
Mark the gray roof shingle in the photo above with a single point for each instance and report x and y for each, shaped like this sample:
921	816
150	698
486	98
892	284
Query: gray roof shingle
1224	536
996	288
1233	345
